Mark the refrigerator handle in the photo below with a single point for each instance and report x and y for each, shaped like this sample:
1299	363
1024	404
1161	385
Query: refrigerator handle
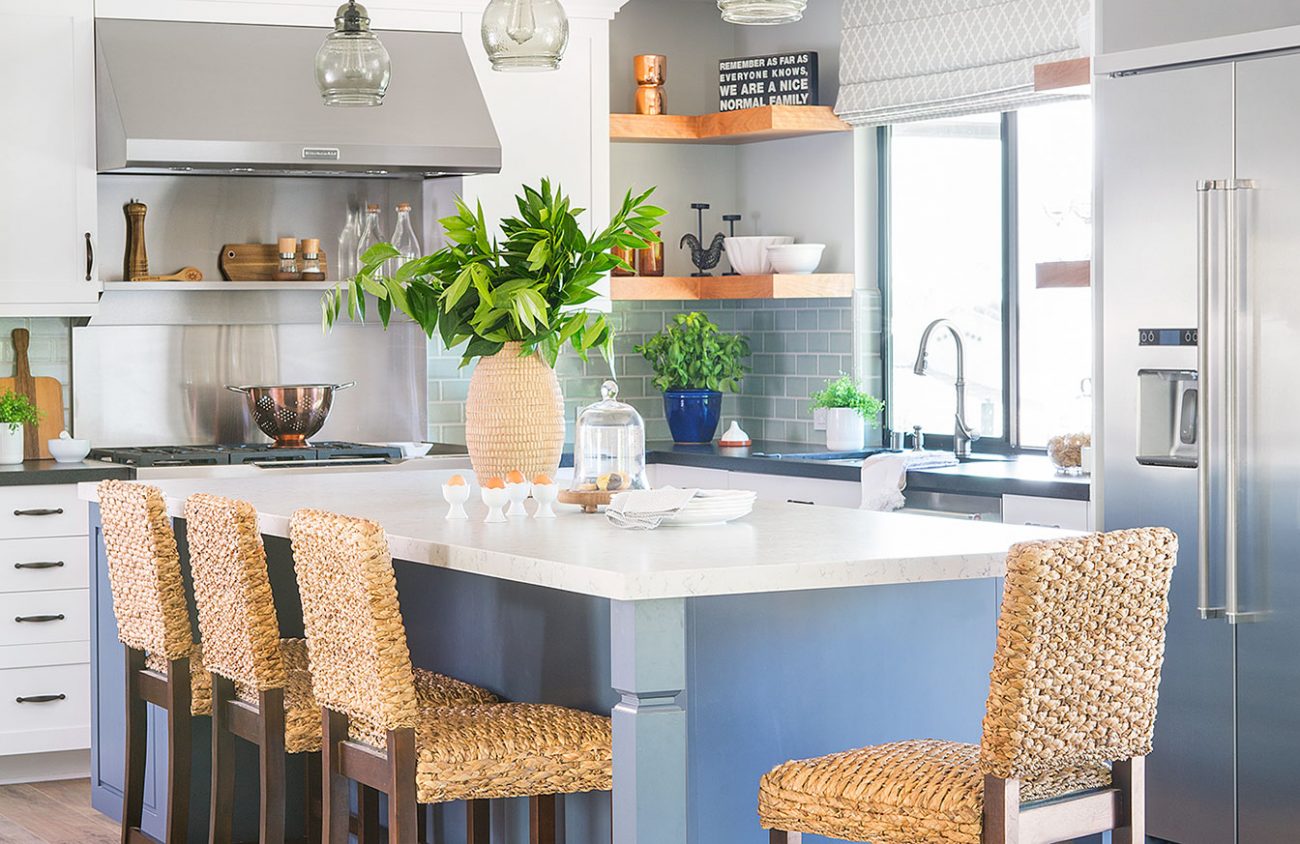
1233	420
1206	394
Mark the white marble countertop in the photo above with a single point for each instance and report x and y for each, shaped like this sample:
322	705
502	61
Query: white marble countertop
779	547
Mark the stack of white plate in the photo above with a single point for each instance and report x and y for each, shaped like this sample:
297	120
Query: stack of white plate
713	507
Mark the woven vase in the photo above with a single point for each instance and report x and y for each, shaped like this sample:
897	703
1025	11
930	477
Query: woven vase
514	416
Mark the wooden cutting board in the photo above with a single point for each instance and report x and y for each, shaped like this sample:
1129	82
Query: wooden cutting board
256	261
46	393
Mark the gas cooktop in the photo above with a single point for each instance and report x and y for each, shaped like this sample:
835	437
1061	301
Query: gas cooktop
260	453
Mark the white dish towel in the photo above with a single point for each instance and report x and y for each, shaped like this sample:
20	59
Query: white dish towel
884	476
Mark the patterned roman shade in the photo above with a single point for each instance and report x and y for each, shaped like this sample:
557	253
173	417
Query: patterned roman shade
904	60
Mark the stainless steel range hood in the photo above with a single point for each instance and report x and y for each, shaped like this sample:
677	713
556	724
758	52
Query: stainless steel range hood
223	98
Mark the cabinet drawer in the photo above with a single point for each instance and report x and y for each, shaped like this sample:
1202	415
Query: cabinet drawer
34	565
1046	512
44	721
798	490
46	510
41	613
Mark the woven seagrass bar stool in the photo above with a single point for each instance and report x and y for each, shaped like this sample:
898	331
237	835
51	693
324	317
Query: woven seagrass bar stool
384	728
163	664
261	684
1071	708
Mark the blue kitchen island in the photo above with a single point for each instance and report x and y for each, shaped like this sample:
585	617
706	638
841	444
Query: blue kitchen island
719	651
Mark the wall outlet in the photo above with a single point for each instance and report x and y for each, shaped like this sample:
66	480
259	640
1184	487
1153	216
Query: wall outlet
819	419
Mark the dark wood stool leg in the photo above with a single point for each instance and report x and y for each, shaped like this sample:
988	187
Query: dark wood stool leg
179	751
423	836
541	819
401	787
1129	777
311	810
271	752
137	728
367	815
334	786
780	836
222	801
1001	811
478	822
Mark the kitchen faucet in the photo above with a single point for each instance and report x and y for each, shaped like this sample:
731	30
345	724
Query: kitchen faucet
963	434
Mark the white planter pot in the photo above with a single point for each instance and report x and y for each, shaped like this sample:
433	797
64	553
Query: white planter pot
846	430
11	445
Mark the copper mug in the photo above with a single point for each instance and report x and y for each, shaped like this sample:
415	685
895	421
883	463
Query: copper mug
651	71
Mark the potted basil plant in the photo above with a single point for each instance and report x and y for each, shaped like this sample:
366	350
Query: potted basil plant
16	411
848	409
693	364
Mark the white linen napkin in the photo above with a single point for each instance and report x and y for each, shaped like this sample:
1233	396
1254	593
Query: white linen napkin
645	509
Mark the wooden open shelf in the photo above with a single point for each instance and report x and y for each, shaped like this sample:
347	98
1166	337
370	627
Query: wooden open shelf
743	126
1063	274
1067	74
814	286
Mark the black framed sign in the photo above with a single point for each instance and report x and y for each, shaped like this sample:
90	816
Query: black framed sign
782	79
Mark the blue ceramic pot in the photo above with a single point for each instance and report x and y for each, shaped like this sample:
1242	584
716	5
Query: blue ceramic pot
693	414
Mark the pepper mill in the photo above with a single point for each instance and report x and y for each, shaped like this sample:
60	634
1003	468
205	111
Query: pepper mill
651	72
135	262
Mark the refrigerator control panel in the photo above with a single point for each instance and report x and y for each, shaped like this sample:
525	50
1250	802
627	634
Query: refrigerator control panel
1167	336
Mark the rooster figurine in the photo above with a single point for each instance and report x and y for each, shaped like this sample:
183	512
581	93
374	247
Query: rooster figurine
703	259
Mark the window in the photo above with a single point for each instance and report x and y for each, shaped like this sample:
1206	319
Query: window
971	207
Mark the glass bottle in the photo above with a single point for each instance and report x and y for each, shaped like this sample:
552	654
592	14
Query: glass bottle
288	266
403	239
369	233
349	240
311	270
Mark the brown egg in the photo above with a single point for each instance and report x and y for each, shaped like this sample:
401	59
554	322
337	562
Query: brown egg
543	479
456	480
514	476
494	483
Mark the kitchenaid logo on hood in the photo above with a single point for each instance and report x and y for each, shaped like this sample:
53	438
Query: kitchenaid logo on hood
320	154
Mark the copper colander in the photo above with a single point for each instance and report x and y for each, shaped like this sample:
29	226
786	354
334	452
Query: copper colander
290	413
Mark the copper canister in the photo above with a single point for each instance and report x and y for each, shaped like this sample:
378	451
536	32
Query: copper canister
650	258
627	253
651	71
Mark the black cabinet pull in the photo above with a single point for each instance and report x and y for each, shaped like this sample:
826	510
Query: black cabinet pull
41	698
38	618
797	501
42	564
40	511
90	257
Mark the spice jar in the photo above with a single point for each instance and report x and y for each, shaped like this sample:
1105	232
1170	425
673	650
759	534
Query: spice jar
288	267
311	266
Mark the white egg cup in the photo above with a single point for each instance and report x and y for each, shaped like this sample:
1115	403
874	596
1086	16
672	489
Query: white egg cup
495	499
518	494
545	495
456	496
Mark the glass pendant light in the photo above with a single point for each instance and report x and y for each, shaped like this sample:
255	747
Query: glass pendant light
762	12
352	67
525	34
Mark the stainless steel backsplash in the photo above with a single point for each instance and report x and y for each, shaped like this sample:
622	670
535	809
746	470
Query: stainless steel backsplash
152	368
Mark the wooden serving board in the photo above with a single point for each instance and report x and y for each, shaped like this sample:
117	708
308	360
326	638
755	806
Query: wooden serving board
256	261
46	393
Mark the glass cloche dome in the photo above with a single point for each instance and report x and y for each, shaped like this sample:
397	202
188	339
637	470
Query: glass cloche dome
609	445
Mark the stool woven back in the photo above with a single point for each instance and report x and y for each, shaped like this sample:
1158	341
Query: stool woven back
237	620
1080	643
356	642
144	570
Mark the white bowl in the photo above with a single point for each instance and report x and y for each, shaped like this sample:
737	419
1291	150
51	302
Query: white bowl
68	450
748	255
796	258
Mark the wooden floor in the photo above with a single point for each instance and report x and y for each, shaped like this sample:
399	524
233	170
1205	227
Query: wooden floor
52	813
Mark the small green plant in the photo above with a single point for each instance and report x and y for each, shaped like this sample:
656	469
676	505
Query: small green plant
17	410
481	292
690	353
845	392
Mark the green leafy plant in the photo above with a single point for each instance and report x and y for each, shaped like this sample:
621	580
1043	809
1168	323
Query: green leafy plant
528	288
690	353
17	410
845	392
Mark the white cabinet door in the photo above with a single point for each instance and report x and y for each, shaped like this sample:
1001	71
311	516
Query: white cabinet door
687	477
1046	512
47	218
799	490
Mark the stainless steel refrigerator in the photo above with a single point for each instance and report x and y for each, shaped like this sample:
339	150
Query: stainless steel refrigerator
1198	297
